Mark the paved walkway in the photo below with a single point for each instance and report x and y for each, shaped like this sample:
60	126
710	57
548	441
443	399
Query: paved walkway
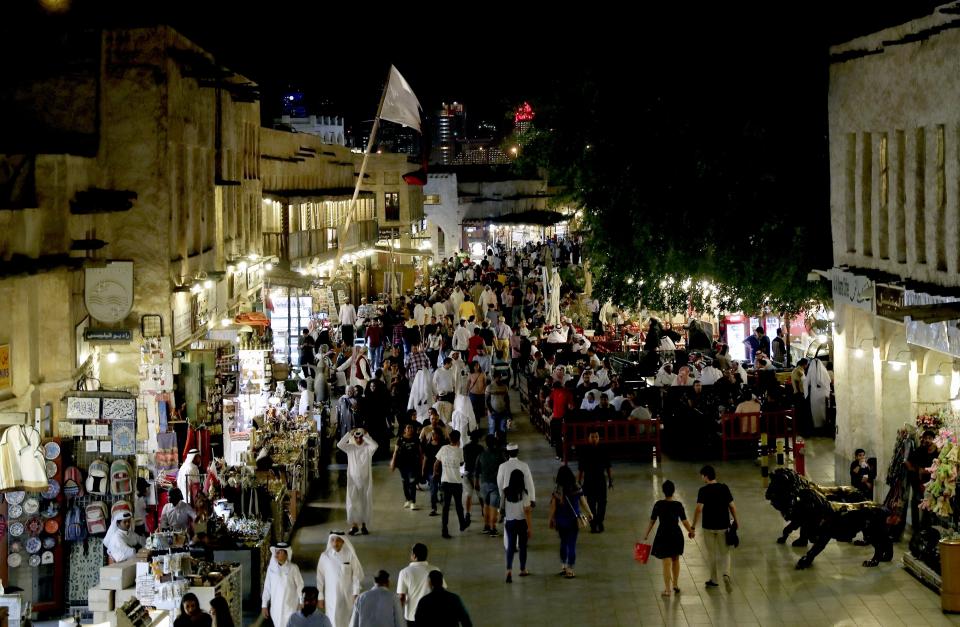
611	588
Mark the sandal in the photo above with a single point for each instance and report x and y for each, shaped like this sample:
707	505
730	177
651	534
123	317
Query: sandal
665	593
569	574
524	573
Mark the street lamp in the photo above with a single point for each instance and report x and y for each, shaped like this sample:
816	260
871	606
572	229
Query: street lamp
896	364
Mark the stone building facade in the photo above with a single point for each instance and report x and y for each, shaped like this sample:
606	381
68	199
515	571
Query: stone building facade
895	212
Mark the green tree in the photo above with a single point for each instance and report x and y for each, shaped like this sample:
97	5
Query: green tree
686	201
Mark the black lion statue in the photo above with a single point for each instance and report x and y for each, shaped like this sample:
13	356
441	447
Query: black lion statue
823	514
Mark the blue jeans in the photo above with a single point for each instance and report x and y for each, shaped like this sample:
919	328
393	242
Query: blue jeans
409	477
568	542
497	422
376	357
516	531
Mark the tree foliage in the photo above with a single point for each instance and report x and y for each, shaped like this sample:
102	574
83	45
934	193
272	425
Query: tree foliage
688	196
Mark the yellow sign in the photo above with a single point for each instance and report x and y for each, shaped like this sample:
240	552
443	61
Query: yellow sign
6	376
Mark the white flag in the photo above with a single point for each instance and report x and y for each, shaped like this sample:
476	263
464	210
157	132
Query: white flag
400	104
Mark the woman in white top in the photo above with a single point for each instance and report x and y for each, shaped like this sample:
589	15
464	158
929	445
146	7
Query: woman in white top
518	527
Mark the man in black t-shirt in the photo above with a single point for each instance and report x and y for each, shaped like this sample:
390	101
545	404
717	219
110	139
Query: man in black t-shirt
715	504
918	465
593	463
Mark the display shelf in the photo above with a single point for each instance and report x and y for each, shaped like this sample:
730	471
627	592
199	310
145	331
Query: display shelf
230	588
921	571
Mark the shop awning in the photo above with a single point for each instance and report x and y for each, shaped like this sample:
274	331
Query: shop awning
278	277
403	251
537	217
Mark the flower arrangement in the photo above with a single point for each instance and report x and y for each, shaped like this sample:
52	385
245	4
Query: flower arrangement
942	487
930	421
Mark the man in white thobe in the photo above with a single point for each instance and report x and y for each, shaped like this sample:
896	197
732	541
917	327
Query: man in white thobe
339	575
359	447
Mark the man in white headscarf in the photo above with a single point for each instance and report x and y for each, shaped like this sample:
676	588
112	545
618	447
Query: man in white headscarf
339	575
456	299
121	542
189	475
421	394
359	447
665	376
488	298
281	586
817	391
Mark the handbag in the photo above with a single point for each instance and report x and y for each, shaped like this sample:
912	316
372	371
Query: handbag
582	521
641	552
733	540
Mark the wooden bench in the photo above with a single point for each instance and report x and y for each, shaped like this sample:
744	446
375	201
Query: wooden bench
613	432
776	424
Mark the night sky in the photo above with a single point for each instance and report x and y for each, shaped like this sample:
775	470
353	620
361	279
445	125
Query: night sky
491	56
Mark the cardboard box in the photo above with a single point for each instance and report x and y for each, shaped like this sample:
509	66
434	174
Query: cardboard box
100	600
105	617
125	595
118	576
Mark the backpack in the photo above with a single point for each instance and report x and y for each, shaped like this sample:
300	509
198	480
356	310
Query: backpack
72	482
121	477
98	477
120	506
97	518
76	524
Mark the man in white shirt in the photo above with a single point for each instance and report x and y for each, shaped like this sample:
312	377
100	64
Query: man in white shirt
447	467
439	310
420	314
461	337
348	318
507	468
412	584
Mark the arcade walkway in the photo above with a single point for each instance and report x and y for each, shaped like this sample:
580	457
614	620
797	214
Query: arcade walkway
611	588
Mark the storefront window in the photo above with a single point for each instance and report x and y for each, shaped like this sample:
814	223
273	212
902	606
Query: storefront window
391	203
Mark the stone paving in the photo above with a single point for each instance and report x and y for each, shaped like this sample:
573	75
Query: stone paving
610	587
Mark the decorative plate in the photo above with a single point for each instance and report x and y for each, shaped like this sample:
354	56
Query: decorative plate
16	546
16	529
15	498
33	545
46	558
13	560
53	489
34	527
51	468
34	560
31	505
51	450
14	511
51	510
51	526
49	542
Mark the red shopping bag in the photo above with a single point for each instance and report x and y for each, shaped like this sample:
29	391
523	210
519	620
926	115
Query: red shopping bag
641	552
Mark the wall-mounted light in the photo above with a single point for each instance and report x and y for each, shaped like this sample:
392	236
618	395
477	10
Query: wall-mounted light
896	364
858	351
938	378
112	356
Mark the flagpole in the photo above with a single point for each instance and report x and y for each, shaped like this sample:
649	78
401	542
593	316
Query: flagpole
363	168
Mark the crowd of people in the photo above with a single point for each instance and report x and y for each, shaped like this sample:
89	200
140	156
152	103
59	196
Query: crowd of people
432	375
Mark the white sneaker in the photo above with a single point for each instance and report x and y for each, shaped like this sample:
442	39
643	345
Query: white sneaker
413	506
407	504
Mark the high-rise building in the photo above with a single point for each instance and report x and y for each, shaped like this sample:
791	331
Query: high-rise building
296	117
451	128
523	118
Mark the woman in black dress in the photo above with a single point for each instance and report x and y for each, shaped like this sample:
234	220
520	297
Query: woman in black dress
668	543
